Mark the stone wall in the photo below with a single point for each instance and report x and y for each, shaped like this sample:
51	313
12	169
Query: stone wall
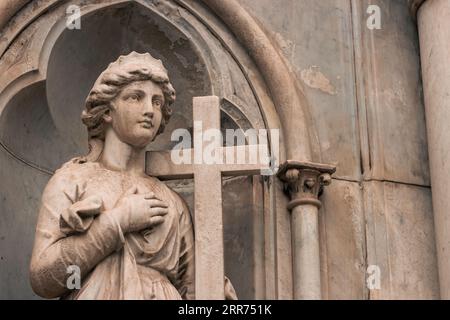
366	102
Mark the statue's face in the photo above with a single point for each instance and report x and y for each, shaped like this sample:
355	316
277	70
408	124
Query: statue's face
136	114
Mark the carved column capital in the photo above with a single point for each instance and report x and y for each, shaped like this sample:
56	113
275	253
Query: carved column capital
414	6
304	181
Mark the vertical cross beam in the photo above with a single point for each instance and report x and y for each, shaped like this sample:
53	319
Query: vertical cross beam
209	260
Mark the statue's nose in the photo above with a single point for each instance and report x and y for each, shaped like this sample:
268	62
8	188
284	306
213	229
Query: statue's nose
148	115
149	110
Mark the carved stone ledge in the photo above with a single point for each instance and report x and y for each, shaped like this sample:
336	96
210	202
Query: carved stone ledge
414	6
304	181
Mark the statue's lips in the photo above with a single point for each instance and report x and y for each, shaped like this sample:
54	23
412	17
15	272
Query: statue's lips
148	124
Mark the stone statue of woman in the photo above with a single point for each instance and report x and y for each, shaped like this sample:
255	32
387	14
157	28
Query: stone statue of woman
129	235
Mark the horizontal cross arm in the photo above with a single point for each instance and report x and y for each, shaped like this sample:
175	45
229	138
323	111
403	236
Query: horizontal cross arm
159	164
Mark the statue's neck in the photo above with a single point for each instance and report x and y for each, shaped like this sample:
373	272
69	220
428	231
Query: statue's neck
120	156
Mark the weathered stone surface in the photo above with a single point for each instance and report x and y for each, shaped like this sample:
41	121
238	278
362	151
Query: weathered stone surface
363	86
400	240
343	242
19	202
392	97
387	225
8	8
300	27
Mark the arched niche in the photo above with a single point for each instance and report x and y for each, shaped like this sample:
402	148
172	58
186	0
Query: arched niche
47	71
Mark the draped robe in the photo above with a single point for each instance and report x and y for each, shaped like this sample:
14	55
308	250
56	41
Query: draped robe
74	228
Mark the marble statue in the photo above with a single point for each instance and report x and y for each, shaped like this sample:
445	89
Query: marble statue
129	234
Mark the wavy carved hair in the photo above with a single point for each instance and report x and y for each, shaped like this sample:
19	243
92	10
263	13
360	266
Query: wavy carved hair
126	70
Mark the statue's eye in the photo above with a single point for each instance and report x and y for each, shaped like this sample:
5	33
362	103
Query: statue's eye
133	97
157	103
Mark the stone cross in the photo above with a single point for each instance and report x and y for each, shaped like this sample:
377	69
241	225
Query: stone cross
209	251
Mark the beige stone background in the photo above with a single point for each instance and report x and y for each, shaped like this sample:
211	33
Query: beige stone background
365	90
365	95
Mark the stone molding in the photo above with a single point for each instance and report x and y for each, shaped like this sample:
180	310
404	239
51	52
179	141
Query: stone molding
9	8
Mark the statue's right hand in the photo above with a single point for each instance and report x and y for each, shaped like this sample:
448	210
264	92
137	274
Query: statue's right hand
137	212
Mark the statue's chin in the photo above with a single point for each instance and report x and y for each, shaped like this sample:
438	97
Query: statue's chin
141	144
138	138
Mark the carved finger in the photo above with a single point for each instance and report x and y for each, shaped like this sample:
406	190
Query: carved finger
156	220
159	211
157	203
150	195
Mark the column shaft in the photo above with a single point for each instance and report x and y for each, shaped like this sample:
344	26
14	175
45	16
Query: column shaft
306	254
434	32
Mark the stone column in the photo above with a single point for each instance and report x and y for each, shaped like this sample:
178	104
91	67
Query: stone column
433	18
304	183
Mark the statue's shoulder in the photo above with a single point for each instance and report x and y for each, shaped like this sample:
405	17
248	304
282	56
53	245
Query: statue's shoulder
77	167
71	174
